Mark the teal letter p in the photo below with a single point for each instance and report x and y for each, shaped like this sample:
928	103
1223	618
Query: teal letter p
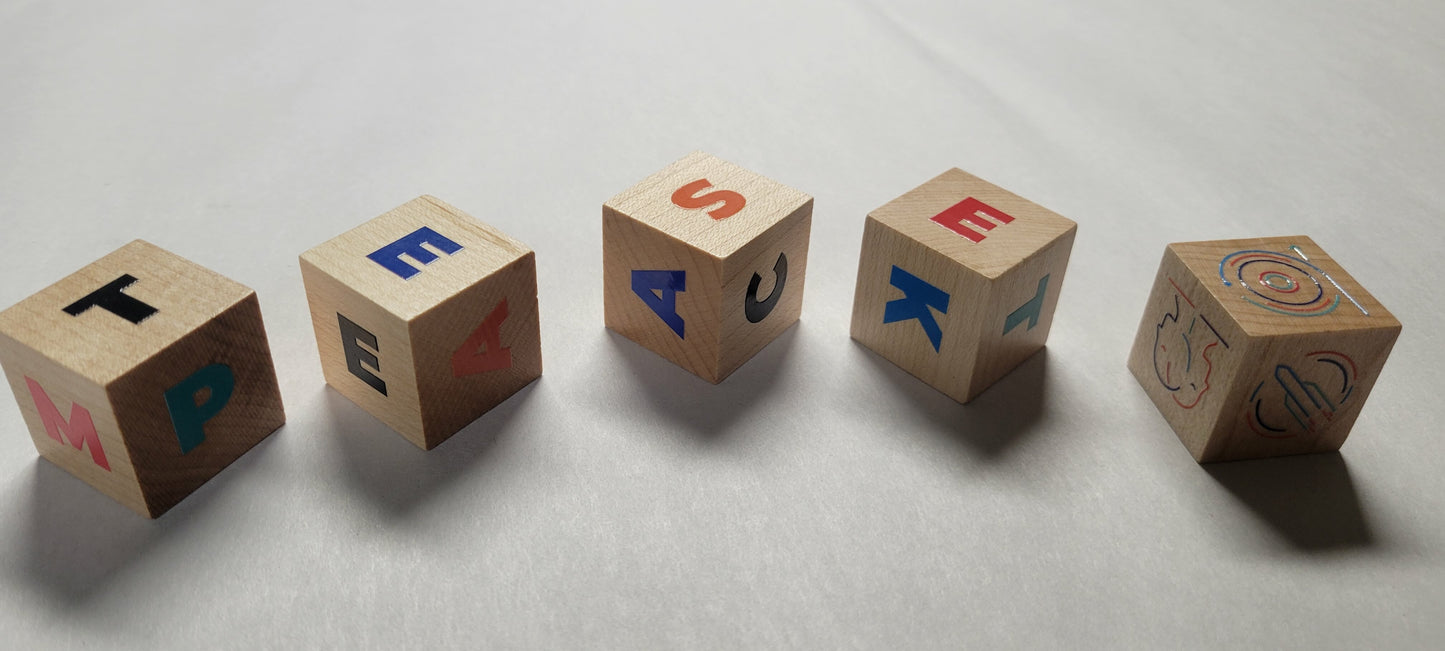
188	416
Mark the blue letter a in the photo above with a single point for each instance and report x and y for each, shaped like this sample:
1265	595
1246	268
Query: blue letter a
918	296
658	289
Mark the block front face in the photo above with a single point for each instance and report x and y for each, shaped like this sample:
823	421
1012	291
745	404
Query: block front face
199	405
477	348
143	373
1297	346
395	299
704	263
1187	353
958	280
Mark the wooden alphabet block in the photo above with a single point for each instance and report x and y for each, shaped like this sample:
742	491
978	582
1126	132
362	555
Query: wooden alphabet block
425	317
958	280
1259	348
143	374
703	263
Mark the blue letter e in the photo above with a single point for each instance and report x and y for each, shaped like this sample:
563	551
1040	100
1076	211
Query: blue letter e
658	289
918	296
187	415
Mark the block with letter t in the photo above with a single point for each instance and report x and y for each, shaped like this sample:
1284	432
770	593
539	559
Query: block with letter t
703	263
425	317
1259	348
143	374
958	280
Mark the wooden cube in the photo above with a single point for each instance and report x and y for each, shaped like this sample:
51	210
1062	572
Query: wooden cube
143	374
1259	348
425	317
958	280
703	263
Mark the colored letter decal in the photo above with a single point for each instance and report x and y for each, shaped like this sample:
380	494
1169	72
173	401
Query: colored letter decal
918	296
1028	311
111	299
80	430
352	336
189	417
658	289
483	351
732	202
389	256
973	211
756	311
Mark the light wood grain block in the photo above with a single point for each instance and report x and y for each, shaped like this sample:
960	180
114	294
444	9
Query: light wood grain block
143	374
958	280
1259	347
703	263
425	317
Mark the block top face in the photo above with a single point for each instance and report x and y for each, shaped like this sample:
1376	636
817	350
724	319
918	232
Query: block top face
416	256
982	226
1282	285
104	320
709	203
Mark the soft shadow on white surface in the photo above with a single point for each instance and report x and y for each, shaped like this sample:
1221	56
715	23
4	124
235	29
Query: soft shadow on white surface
993	423
1308	501
76	541
705	411
395	477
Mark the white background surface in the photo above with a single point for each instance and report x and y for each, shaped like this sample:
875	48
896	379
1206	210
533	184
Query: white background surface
819	497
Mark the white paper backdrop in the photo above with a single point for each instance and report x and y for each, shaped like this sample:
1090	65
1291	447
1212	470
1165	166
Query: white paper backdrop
820	497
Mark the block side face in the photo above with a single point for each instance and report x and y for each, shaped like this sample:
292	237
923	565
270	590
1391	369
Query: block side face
108	469
181	434
1302	395
154	298
477	348
344	322
918	282
1186	354
415	256
1283	285
1019	313
990	239
755	314
633	251
709	203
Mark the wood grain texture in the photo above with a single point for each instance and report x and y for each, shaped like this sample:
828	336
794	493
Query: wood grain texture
120	371
986	281
1278	361
644	229
420	322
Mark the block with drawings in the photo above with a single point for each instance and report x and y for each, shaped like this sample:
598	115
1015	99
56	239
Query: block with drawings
958	280
425	317
143	374
703	263
1259	347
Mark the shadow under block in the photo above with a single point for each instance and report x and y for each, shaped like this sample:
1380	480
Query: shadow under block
143	374
425	317
958	280
1259	347
703	263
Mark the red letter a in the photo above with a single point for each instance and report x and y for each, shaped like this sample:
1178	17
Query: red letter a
80	430
483	350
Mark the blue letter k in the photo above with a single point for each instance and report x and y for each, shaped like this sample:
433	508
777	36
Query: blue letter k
918	296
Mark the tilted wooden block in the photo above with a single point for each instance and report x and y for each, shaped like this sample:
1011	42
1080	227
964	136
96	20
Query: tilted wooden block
143	374
958	280
1259	348
703	263
425	317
